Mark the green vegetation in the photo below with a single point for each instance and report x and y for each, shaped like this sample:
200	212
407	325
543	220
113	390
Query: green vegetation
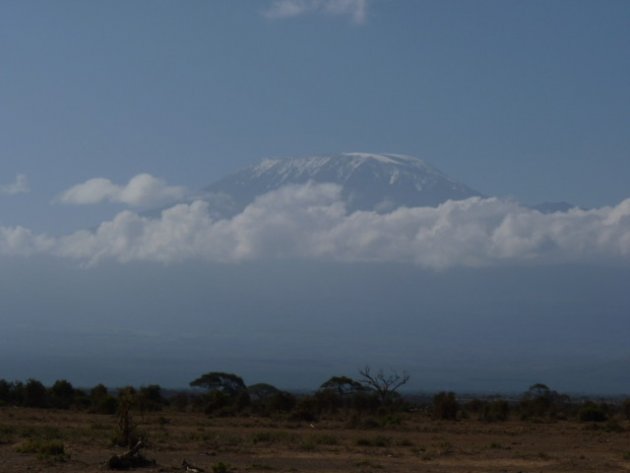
371	402
591	412
541	402
44	449
221	468
445	406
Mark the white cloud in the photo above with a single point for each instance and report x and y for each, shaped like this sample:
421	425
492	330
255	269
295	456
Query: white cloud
281	9
20	186
310	222
19	241
141	190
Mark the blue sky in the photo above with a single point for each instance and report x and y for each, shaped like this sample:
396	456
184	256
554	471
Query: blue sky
110	108
529	100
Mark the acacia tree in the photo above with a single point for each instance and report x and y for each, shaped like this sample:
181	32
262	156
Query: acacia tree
226	383
338	391
384	385
342	385
539	401
262	392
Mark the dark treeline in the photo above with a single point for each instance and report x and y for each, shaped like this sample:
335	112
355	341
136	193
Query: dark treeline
373	400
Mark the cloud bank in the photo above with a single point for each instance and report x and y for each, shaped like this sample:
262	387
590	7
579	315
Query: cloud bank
20	186
310	222
282	9
142	190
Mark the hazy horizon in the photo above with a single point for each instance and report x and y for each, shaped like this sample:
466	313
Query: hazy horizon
118	266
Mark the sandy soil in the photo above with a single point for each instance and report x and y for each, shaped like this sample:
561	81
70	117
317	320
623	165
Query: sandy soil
258	444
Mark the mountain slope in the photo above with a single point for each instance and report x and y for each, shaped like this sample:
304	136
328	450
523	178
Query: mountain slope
369	181
552	207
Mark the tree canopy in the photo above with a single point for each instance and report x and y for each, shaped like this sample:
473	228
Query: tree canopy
342	385
226	383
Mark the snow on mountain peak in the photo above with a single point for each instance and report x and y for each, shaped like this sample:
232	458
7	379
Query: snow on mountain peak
341	165
369	181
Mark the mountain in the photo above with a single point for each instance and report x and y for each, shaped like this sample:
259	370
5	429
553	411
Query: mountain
552	207
378	182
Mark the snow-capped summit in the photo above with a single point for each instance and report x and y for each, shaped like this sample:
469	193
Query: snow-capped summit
369	181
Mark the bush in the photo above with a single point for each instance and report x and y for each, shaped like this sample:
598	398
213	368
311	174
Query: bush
221	468
364	402
215	401
125	434
306	410
241	401
445	406
591	412
34	394
105	405
149	398
328	400
494	411
281	402
5	391
180	401
45	449
540	401
474	406
62	394
98	391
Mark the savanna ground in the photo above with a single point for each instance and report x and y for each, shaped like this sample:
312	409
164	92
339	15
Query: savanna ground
33	440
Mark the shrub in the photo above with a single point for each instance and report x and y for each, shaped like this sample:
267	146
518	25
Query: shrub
494	411
34	394
17	393
364	402
267	399
5	391
45	449
328	400
445	406
106	405
540	401
282	402
305	410
215	402
98	391
125	435
591	412
149	398
180	401
7	433
614	426
221	468
62	394
241	400
474	406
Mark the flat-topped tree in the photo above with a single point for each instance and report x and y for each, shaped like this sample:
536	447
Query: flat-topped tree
226	383
342	385
262	391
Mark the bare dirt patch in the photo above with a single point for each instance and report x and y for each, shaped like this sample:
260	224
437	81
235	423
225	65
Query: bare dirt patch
34	440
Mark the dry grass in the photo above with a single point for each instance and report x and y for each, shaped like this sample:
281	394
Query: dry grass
47	440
